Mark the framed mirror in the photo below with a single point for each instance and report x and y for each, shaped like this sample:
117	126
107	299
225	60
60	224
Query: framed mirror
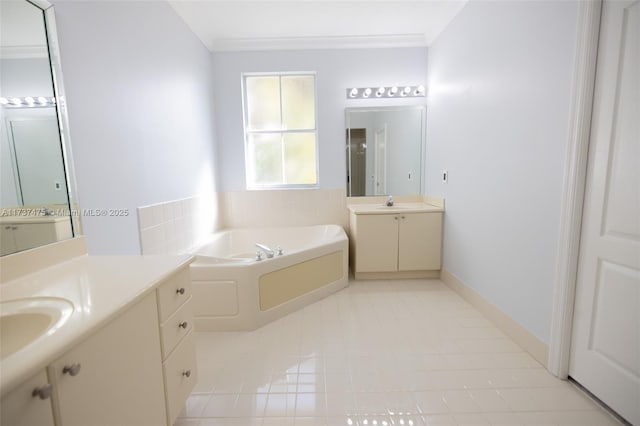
37	190
385	150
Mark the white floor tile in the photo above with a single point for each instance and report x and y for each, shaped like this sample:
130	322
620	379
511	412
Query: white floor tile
379	353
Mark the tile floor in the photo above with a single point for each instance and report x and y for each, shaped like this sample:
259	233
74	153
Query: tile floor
379	353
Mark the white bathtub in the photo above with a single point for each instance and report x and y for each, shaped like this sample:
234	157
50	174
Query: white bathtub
234	291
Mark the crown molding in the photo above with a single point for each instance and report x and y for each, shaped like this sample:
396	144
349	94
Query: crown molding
325	42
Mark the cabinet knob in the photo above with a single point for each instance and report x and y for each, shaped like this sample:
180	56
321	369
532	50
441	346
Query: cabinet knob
7	227
72	370
401	217
14	227
186	373
395	217
43	392
183	324
181	290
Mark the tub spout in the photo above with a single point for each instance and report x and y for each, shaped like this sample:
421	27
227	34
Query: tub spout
267	251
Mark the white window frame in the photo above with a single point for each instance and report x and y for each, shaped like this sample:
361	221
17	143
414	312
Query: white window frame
247	132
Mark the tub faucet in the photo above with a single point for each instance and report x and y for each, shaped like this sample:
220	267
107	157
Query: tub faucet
267	251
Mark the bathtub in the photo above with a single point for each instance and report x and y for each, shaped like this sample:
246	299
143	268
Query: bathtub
232	290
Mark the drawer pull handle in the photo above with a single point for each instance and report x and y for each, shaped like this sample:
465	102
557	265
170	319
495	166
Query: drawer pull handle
72	370
183	324
186	373
181	290
43	392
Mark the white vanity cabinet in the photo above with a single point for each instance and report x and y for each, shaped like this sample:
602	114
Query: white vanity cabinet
114	377
29	404
178	343
395	243
25	233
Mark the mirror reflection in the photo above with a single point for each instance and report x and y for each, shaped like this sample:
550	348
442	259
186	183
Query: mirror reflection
384	150
34	201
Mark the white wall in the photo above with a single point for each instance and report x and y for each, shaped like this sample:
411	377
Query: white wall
336	70
139	92
499	83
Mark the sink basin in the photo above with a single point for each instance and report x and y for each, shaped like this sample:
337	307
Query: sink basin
23	321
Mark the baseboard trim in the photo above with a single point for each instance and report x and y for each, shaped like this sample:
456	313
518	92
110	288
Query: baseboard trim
399	275
530	343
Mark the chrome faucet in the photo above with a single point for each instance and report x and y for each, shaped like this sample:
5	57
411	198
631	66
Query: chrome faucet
267	251
390	201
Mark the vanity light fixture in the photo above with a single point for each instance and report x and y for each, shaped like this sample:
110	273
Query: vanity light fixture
386	92
28	102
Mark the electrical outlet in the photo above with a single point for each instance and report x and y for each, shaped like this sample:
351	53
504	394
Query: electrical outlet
445	176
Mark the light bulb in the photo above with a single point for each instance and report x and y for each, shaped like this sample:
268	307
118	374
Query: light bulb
4	101
42	100
29	100
393	91
354	92
367	92
380	92
16	101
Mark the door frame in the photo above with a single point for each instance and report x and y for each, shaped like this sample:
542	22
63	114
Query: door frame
574	183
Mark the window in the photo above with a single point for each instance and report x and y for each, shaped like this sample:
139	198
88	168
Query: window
280	130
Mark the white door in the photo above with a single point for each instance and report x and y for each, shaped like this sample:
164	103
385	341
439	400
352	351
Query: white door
380	169
605	346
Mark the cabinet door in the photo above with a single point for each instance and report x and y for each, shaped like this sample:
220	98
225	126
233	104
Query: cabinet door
34	235
7	240
377	243
120	377
420	240
21	407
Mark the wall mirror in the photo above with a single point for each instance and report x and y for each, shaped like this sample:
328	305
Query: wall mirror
385	149
37	194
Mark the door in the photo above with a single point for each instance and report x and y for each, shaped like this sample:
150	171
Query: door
114	377
357	167
376	243
38	157
605	345
419	242
380	168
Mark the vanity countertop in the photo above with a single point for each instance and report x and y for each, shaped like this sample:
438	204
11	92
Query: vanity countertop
100	288
371	208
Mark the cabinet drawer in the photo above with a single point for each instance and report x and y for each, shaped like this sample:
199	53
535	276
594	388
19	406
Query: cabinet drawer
176	327
180	375
173	293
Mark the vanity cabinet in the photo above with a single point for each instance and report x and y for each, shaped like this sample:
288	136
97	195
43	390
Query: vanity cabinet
23	235
396	242
178	342
115	375
29	404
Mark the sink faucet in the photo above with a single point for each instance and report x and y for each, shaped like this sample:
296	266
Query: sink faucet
390	201
267	251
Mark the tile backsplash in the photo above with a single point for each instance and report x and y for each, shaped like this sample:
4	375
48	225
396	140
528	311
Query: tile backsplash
292	207
174	226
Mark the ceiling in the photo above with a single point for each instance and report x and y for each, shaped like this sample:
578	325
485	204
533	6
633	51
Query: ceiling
312	24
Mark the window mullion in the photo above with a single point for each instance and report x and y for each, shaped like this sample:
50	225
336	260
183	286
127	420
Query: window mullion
284	169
